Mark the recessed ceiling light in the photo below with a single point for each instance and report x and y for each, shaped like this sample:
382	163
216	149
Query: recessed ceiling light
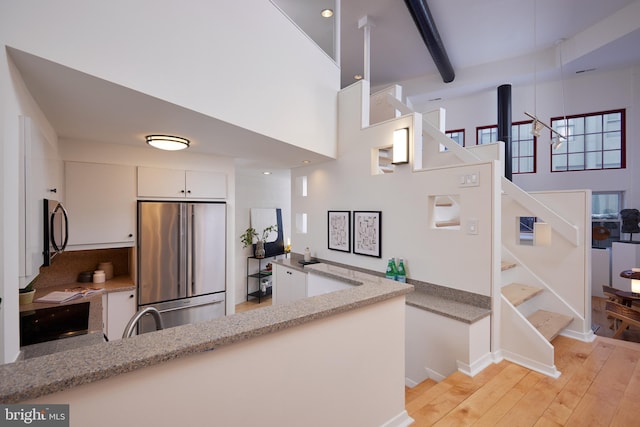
326	13
266	173
358	77
306	162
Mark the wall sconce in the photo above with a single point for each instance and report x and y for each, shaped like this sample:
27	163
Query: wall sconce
634	275
166	142
541	234
400	146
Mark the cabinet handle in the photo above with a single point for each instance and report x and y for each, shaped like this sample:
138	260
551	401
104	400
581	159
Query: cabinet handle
189	191
130	235
53	190
182	191
130	296
288	272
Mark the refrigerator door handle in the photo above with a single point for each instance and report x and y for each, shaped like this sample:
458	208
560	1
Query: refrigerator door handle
192	269
169	310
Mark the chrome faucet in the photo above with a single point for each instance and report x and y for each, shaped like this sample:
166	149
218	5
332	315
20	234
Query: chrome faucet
128	330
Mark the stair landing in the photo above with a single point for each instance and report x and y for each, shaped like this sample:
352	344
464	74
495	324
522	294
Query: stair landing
517	293
549	324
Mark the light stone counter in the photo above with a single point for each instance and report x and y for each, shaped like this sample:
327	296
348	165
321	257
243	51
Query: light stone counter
455	304
44	375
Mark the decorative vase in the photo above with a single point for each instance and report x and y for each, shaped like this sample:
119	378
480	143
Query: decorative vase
26	297
259	253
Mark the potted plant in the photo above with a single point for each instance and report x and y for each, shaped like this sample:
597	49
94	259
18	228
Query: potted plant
26	294
250	234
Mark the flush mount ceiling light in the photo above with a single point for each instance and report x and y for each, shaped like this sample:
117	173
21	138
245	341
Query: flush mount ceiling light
326	13
167	142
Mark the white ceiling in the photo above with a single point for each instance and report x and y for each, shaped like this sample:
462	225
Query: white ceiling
489	42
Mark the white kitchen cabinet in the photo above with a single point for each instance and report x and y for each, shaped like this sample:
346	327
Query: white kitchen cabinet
176	183
318	285
101	203
289	285
40	178
117	309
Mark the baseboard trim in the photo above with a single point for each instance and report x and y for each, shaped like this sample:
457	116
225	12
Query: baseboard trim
477	366
401	420
549	370
585	337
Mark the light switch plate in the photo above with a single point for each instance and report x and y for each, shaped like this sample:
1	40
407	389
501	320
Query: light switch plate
472	226
470	180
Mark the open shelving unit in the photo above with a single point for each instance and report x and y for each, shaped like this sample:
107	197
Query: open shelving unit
255	276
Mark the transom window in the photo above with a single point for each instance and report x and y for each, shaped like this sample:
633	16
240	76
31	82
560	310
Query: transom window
594	141
523	145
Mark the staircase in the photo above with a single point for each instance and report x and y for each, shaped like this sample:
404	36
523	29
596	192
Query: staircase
533	302
548	323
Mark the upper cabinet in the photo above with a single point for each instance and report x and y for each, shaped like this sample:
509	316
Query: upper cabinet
173	183
40	178
101	203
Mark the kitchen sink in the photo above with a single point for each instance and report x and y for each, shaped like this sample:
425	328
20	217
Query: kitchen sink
53	323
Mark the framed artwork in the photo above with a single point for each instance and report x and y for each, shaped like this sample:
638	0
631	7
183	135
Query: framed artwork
339	229
367	230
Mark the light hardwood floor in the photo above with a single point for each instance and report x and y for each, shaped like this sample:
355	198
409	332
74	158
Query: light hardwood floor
599	386
253	304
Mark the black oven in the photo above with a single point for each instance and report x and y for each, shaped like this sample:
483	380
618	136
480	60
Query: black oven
56	229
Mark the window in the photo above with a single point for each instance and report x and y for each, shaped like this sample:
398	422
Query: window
523	145
523	148
594	141
605	214
457	135
486	134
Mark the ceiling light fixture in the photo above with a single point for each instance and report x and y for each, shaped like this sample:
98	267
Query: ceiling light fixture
326	13
358	77
306	162
167	142
266	173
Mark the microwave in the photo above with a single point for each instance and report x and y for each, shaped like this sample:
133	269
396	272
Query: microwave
56	229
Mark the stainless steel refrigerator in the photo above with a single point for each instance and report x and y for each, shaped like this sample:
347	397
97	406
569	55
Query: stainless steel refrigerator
181	261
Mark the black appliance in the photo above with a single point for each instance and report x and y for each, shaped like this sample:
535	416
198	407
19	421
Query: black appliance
56	229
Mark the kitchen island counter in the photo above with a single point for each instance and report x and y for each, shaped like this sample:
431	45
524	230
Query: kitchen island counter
44	375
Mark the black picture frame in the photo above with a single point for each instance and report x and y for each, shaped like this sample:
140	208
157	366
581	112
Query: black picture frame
367	233
339	230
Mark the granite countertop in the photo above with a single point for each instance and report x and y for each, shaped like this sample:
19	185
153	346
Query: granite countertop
48	374
117	284
458	305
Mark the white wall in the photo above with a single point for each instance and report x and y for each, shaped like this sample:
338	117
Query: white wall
242	62
345	370
256	190
453	258
589	92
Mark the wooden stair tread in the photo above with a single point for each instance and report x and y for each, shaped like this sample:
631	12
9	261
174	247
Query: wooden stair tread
549	324
448	223
506	265
518	293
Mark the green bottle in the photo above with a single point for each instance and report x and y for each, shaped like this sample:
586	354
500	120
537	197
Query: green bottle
391	273
402	273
